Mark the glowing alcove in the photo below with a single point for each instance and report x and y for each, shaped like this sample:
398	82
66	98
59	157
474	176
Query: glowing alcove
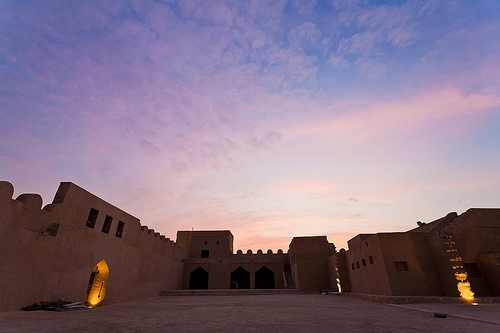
97	284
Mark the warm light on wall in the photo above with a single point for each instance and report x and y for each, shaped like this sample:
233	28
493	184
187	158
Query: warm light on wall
98	284
464	287
338	280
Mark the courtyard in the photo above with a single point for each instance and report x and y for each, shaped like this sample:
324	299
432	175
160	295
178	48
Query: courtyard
259	313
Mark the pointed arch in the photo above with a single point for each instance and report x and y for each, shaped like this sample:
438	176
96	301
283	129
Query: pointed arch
264	278
97	284
240	278
198	279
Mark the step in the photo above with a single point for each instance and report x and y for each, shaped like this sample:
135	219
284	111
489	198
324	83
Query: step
232	292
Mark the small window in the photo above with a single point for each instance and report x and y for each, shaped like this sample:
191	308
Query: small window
357	264
205	242
92	218
370	259
352	266
119	230
205	253
107	224
401	266
217	242
366	242
364	261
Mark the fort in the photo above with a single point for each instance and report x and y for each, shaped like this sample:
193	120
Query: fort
82	248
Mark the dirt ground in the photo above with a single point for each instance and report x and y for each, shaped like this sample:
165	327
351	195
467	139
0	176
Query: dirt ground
258	313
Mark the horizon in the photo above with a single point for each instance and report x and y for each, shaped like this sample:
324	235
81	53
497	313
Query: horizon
272	120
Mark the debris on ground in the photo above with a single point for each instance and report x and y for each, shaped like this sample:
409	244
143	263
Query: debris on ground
58	305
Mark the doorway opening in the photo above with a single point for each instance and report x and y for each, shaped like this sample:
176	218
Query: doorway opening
264	278
97	284
198	279
240	279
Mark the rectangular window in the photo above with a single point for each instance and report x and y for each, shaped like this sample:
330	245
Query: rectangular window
364	261
401	266
107	224
366	242
92	218
357	264
370	259
352	266
217	242
205	253
205	242
119	230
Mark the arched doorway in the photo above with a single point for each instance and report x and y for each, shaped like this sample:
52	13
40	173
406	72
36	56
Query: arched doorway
264	278
97	284
240	279
198	279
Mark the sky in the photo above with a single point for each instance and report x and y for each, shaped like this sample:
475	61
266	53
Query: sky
272	119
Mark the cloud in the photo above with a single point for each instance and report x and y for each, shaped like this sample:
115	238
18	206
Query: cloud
396	118
304	33
262	116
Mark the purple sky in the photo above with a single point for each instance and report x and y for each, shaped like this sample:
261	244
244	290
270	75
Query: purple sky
271	119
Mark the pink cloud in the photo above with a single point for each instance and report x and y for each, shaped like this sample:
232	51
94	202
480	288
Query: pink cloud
403	117
202	115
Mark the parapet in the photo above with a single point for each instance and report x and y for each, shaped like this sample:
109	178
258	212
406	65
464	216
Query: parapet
259	253
6	190
32	200
152	241
76	210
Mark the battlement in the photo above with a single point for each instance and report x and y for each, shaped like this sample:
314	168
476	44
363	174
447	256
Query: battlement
61	250
78	211
259	253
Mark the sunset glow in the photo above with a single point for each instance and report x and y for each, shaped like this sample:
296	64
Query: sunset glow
273	119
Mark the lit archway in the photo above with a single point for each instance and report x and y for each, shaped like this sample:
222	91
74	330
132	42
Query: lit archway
240	279
97	284
264	278
198	279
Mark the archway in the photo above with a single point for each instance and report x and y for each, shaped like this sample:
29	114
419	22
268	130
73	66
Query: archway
97	284
240	279
198	279
264	278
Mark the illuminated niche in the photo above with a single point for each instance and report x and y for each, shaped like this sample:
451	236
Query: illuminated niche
464	287
457	265
97	284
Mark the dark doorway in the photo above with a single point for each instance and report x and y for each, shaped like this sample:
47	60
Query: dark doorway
264	278
240	279
198	279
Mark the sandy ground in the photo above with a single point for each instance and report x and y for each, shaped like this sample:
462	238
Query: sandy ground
258	313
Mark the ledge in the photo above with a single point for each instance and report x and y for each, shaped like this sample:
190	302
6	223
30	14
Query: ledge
420	299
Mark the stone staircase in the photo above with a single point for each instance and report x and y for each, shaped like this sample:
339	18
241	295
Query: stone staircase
287	271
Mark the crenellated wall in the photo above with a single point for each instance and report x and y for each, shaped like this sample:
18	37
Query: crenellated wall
259	253
49	253
310	264
213	264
